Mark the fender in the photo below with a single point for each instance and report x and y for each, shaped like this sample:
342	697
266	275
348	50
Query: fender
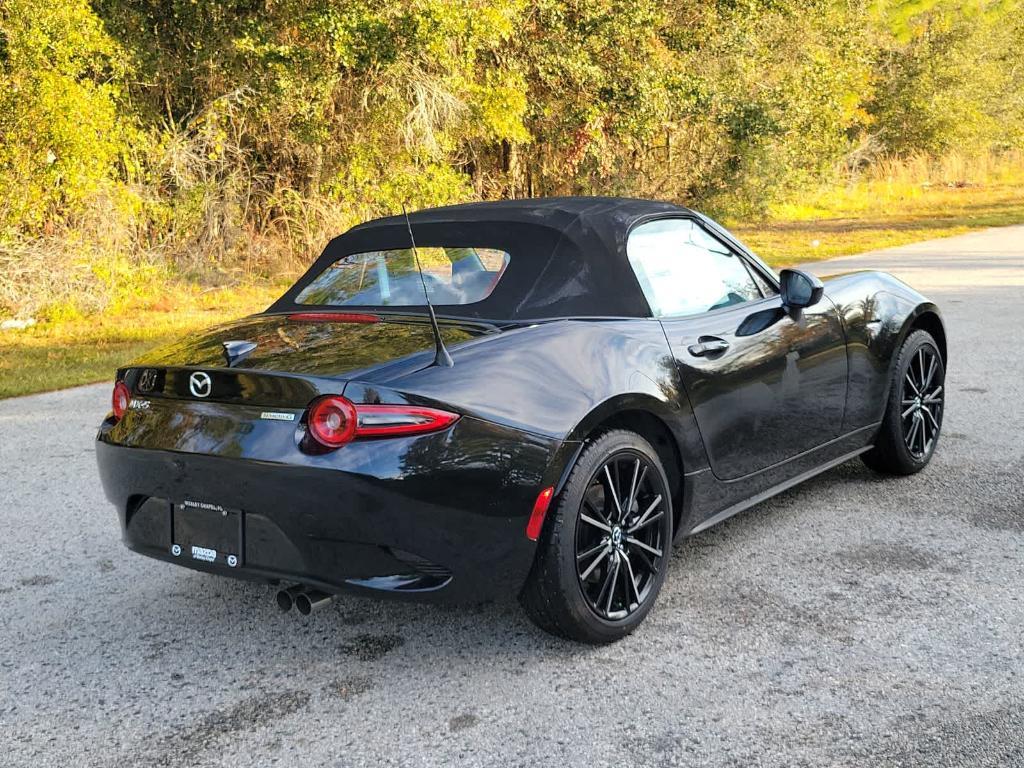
925	315
678	420
878	312
930	320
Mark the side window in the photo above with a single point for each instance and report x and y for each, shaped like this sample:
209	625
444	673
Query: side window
683	270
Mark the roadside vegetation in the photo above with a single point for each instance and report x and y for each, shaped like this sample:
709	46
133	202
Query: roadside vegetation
164	166
836	220
892	203
69	352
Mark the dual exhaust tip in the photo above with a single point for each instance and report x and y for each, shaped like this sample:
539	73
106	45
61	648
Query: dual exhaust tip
303	599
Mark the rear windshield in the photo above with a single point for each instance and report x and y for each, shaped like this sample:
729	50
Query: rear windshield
390	278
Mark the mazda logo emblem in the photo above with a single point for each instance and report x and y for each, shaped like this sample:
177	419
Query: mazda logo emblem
199	384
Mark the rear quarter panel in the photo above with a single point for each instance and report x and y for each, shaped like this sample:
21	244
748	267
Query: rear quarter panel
556	379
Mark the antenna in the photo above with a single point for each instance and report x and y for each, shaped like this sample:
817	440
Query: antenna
441	356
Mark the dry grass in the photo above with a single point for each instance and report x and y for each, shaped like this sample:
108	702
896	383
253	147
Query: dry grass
894	203
85	350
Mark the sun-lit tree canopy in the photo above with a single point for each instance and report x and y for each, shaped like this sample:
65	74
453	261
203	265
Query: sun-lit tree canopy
206	132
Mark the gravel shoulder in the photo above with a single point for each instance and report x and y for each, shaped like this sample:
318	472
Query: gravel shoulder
852	621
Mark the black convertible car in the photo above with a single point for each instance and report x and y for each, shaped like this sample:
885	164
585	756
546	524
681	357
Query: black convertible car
602	377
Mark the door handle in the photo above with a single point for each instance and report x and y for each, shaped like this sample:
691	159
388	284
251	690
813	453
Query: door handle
708	345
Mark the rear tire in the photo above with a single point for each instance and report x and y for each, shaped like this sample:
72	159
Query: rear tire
602	557
912	423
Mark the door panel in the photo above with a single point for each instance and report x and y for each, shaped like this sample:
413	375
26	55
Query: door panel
765	383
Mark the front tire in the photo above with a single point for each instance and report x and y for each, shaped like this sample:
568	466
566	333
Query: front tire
913	416
603	553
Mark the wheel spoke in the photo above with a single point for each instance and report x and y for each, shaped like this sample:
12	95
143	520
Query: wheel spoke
647	521
643	545
935	396
910	409
931	372
611	592
632	580
593	550
920	369
638	479
913	433
928	413
597	513
639	523
613	491
910	380
651	567
605	581
597	561
632	484
595	523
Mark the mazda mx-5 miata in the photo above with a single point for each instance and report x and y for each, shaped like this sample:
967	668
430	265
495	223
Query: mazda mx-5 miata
591	379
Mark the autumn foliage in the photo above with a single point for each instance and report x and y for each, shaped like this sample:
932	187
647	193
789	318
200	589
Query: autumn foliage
216	141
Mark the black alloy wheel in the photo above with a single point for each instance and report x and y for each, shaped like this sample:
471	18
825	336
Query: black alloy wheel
619	546
922	402
603	554
912	423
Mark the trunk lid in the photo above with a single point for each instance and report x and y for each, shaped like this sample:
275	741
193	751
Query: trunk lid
294	357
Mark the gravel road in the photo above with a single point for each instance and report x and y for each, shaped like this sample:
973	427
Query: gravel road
854	621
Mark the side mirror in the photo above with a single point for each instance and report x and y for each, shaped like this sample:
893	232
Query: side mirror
800	289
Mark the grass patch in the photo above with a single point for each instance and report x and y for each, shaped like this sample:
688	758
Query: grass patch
86	350
880	214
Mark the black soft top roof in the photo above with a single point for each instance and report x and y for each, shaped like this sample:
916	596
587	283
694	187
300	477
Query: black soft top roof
568	254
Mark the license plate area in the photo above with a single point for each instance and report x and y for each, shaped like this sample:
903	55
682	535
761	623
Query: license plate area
207	532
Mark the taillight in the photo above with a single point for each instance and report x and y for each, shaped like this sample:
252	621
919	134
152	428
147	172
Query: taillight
335	420
393	420
332	421
122	396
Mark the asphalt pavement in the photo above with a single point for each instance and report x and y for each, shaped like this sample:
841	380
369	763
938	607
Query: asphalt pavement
854	621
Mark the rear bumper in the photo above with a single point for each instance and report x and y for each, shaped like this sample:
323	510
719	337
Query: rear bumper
439	517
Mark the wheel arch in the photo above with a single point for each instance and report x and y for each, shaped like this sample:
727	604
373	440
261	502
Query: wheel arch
926	318
650	418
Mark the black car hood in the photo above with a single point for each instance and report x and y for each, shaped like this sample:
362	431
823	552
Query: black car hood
324	348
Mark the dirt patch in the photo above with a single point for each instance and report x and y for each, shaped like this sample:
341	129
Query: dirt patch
348	687
462	722
220	727
38	581
887	556
371	647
